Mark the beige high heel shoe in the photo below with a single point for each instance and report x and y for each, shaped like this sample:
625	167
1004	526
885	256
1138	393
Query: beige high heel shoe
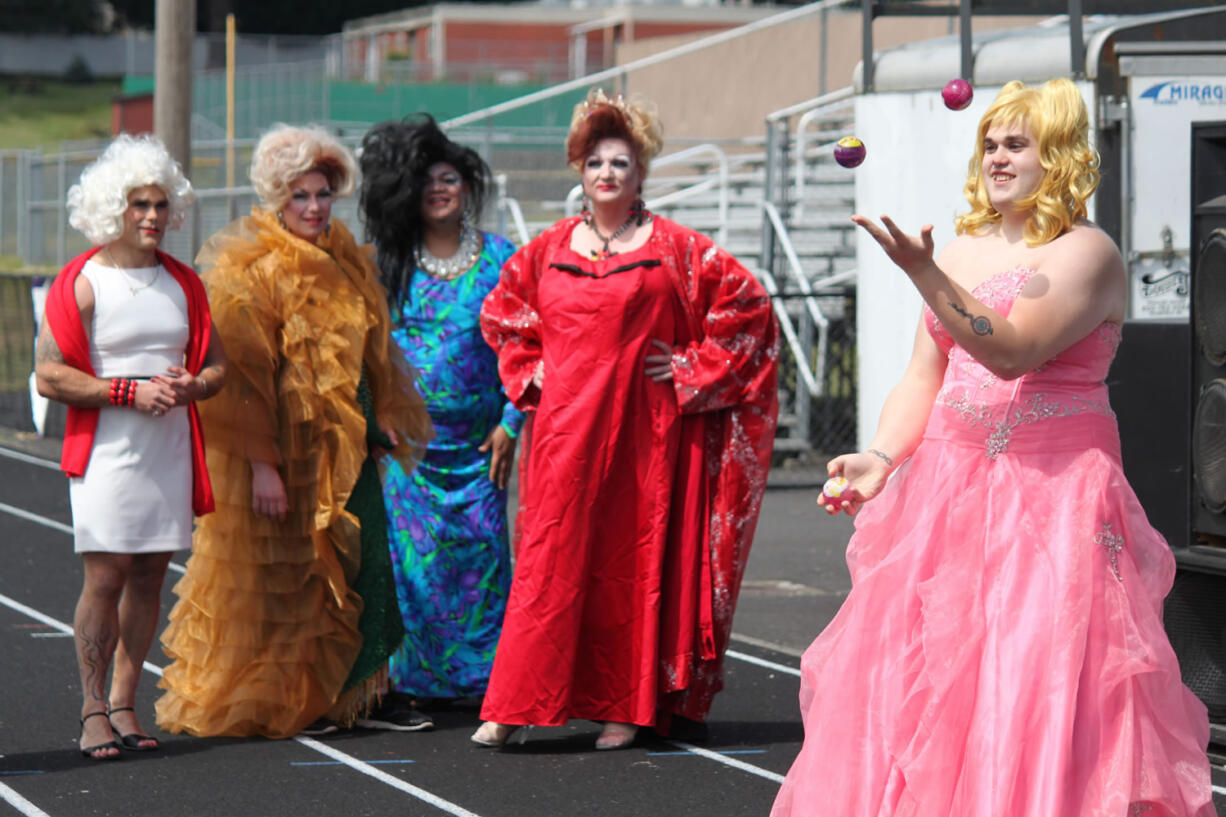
493	735
616	736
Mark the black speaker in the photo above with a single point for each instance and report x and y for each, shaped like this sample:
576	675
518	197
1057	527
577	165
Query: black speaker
1208	319
1149	391
1194	614
1195	610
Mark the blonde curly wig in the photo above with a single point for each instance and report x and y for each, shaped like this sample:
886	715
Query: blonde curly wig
287	153
97	202
601	116
1056	115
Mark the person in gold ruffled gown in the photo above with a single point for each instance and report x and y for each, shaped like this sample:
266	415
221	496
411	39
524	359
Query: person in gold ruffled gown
287	613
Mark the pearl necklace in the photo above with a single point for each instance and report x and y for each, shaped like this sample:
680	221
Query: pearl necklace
448	269
127	275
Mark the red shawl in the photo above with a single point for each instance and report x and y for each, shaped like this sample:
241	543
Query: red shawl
63	316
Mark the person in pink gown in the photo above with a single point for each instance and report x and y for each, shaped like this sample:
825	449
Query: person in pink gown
1002	651
648	358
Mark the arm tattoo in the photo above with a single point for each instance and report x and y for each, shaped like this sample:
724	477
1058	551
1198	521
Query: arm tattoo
46	350
980	324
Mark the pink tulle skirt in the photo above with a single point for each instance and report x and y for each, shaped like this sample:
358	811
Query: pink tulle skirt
1002	653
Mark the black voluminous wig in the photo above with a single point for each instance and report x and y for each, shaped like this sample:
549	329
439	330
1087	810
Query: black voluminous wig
394	159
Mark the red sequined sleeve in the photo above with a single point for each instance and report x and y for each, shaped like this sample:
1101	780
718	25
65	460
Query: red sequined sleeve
736	359
511	325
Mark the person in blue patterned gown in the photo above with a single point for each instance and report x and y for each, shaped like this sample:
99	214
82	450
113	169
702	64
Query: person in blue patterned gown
447	521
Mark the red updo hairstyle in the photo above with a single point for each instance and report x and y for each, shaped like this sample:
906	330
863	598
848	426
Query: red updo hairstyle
603	117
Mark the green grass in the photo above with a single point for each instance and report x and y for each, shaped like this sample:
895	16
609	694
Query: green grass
44	112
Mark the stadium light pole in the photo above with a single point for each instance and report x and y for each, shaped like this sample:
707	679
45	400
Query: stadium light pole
174	44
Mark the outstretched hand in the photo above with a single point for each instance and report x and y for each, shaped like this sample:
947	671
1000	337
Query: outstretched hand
911	253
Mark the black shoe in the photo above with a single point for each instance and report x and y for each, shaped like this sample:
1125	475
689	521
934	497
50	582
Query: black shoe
133	740
320	726
397	720
88	751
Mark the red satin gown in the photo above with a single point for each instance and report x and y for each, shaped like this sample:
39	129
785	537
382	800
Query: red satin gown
638	498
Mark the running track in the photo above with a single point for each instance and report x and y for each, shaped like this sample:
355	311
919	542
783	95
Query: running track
794	583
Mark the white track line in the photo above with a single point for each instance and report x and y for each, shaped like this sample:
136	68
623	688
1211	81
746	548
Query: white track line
384	777
14	454
768	645
20	803
33	517
727	761
762	662
324	749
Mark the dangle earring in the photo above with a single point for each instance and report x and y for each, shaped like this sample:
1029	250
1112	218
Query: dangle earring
638	210
586	212
281	219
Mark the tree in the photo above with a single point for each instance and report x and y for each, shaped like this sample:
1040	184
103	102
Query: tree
51	16
312	17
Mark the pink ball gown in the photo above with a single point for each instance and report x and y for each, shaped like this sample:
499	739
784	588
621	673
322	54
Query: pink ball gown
1002	649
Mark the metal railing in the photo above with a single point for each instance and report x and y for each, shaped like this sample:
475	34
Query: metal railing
821	112
683	193
619	72
823	388
507	211
811	317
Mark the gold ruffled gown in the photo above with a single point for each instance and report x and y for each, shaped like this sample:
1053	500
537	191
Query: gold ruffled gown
265	632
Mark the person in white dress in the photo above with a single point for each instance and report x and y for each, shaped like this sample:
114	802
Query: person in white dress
126	343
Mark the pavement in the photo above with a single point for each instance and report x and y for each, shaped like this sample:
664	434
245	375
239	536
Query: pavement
795	581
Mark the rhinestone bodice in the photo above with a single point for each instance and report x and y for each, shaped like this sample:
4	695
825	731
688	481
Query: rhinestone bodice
1072	384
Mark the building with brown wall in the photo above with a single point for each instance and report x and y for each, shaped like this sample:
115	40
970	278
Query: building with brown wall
536	42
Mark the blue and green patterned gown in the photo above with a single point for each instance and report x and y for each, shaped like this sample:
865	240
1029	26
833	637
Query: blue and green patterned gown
447	523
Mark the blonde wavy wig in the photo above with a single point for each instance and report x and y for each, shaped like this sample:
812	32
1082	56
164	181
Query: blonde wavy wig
97	202
601	116
286	153
1057	117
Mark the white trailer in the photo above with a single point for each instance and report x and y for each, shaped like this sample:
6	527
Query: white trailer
1146	79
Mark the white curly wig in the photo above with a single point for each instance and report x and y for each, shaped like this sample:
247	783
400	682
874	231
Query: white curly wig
287	153
96	204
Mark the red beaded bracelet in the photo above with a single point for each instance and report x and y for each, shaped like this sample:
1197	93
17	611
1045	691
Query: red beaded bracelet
123	392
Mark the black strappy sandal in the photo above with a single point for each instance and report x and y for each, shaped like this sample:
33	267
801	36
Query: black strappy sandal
88	751
132	740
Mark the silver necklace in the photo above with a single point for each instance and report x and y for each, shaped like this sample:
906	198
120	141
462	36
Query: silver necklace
447	269
127	275
605	252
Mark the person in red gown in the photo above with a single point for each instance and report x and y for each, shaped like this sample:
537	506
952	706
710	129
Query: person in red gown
648	358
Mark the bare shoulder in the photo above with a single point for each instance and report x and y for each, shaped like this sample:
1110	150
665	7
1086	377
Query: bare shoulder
83	291
1089	242
1083	266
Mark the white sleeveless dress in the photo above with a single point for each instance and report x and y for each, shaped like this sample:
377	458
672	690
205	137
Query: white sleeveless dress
136	494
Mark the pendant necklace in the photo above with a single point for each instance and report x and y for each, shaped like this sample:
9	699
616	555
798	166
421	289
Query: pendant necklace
602	254
127	276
